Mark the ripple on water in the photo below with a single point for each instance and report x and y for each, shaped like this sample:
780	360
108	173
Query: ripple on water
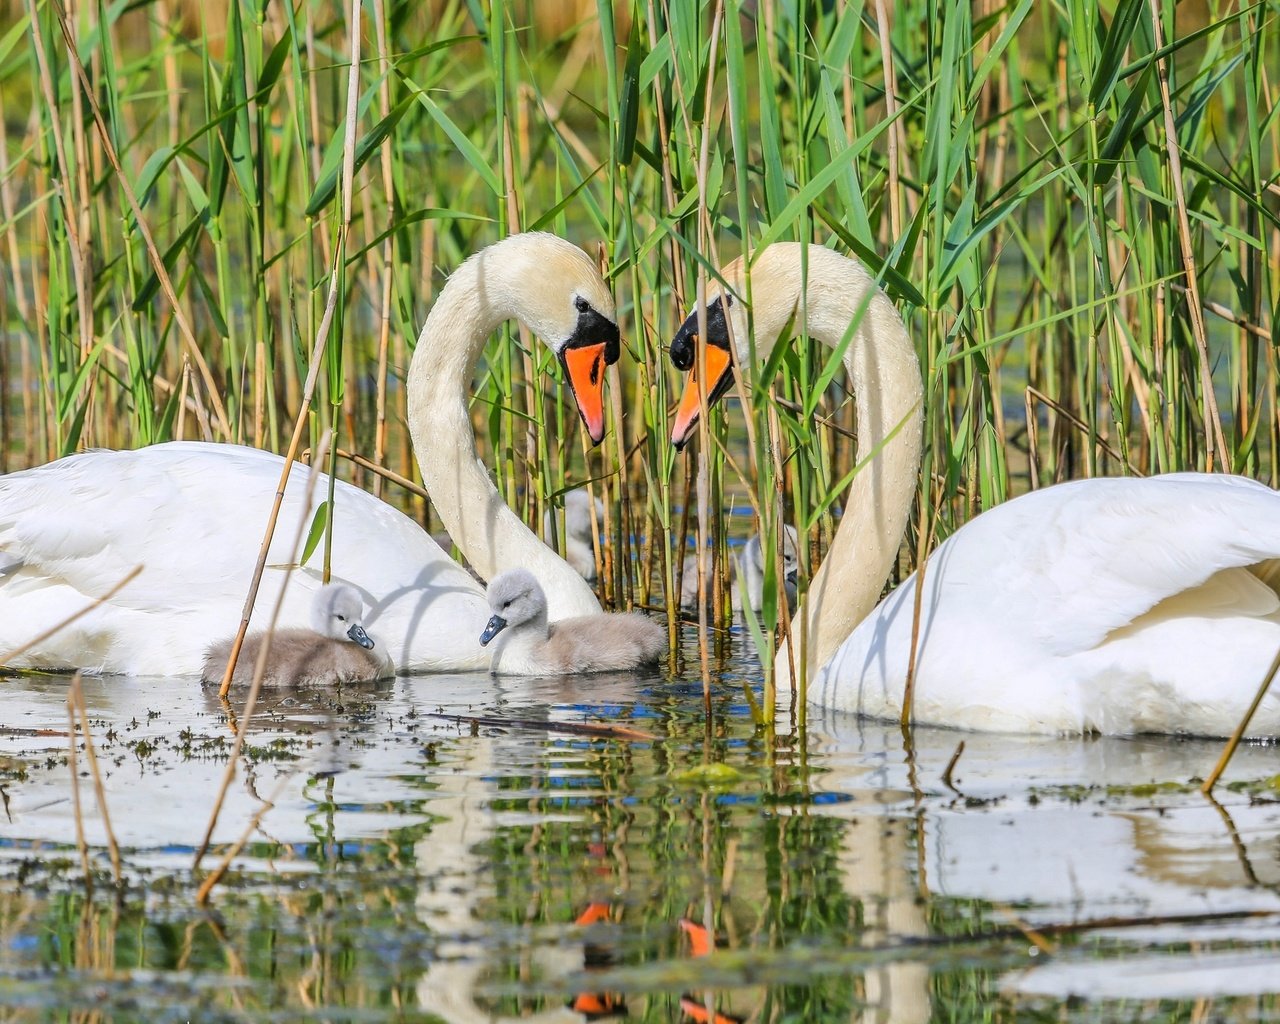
490	865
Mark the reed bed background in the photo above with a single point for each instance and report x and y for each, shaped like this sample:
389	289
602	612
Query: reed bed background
1076	211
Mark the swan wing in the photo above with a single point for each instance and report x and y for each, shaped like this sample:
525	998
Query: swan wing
193	515
1071	564
88	520
1113	605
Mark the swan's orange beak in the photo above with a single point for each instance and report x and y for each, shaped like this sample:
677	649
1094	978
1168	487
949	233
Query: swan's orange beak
585	365
718	365
701	942
697	1012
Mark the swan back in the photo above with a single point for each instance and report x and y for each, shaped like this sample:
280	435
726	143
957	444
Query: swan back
73	529
1109	605
1079	561
555	290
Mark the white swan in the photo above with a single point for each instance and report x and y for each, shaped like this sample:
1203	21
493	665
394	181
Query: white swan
529	646
336	649
1112	605
193	514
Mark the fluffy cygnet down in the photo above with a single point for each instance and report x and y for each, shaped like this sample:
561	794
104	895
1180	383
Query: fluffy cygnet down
578	550
335	650
751	563
528	646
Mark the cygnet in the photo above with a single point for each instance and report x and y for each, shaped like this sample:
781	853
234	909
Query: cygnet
588	643
335	650
751	567
578	551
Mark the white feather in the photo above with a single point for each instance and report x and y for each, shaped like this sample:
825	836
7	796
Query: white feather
192	514
1112	606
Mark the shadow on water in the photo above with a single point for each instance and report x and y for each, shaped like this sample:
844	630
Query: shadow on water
452	848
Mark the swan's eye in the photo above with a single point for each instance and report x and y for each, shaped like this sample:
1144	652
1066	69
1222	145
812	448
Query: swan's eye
342	618
582	304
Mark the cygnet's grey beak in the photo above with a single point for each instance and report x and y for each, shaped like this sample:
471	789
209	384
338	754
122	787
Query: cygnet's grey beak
792	576
357	633
496	625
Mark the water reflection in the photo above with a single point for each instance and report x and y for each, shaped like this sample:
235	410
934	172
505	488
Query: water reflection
422	859
1110	825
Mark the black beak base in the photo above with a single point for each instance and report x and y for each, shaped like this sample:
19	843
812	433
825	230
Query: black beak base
594	327
684	346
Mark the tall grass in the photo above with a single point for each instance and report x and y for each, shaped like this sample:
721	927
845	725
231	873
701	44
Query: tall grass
1076	211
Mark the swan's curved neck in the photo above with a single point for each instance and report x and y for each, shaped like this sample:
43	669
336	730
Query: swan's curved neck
478	297
885	376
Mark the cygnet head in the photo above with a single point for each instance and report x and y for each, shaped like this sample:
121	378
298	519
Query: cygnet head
579	549
336	611
515	597
754	552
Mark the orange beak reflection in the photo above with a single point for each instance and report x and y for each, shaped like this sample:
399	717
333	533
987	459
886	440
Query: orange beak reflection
585	366
718	365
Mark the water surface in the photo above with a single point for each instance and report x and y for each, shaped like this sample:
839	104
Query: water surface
445	848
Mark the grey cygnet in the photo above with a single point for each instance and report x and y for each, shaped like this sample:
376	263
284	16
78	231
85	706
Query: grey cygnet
751	561
529	646
335	650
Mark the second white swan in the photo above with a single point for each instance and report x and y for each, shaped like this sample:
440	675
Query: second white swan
1101	606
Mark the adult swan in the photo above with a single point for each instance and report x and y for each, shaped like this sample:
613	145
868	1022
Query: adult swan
1112	605
193	514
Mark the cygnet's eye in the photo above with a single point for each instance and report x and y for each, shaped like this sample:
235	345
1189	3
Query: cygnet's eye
342	618
582	304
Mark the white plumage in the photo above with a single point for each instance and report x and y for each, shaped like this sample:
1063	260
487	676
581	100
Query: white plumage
1114	606
192	513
